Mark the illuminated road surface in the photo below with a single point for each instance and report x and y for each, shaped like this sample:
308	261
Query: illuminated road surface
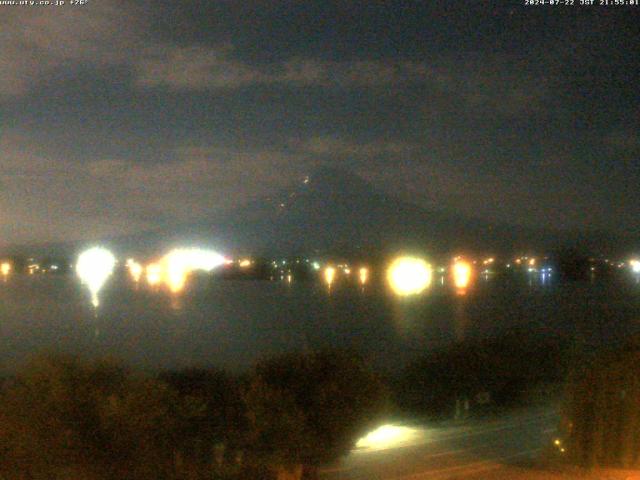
465	450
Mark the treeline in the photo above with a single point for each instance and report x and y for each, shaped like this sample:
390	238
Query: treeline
484	376
62	417
602	417
65	418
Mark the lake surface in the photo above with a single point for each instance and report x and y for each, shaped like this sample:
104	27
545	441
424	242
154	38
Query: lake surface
231	323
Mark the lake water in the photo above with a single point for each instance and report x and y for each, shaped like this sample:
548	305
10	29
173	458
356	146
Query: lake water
231	323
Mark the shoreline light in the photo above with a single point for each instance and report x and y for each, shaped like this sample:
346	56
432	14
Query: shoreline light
154	274
461	272
94	268
329	275
180	262
5	268
409	276
364	275
135	269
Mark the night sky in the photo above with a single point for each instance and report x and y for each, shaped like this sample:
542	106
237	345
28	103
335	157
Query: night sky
117	117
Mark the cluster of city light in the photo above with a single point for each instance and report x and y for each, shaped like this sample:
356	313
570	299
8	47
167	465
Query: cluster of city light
96	265
405	275
409	276
94	268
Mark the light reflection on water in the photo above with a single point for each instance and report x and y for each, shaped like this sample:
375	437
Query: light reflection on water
231	323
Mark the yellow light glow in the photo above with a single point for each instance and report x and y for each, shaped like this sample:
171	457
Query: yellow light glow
532	262
154	274
176	278
389	436
135	269
635	266
409	276
244	263
329	275
94	267
364	275
5	268
461	272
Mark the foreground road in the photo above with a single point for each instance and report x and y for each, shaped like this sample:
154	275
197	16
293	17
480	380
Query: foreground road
465	450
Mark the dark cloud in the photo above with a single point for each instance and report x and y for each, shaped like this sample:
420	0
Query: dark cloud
119	117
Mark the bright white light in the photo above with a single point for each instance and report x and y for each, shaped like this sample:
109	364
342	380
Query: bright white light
179	263
389	436
409	276
196	258
635	266
316	266
94	267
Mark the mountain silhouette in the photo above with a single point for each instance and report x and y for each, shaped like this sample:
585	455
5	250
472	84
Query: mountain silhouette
333	211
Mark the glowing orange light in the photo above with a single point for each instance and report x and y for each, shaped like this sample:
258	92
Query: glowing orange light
532	262
461	272
154	274
245	263
176	279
